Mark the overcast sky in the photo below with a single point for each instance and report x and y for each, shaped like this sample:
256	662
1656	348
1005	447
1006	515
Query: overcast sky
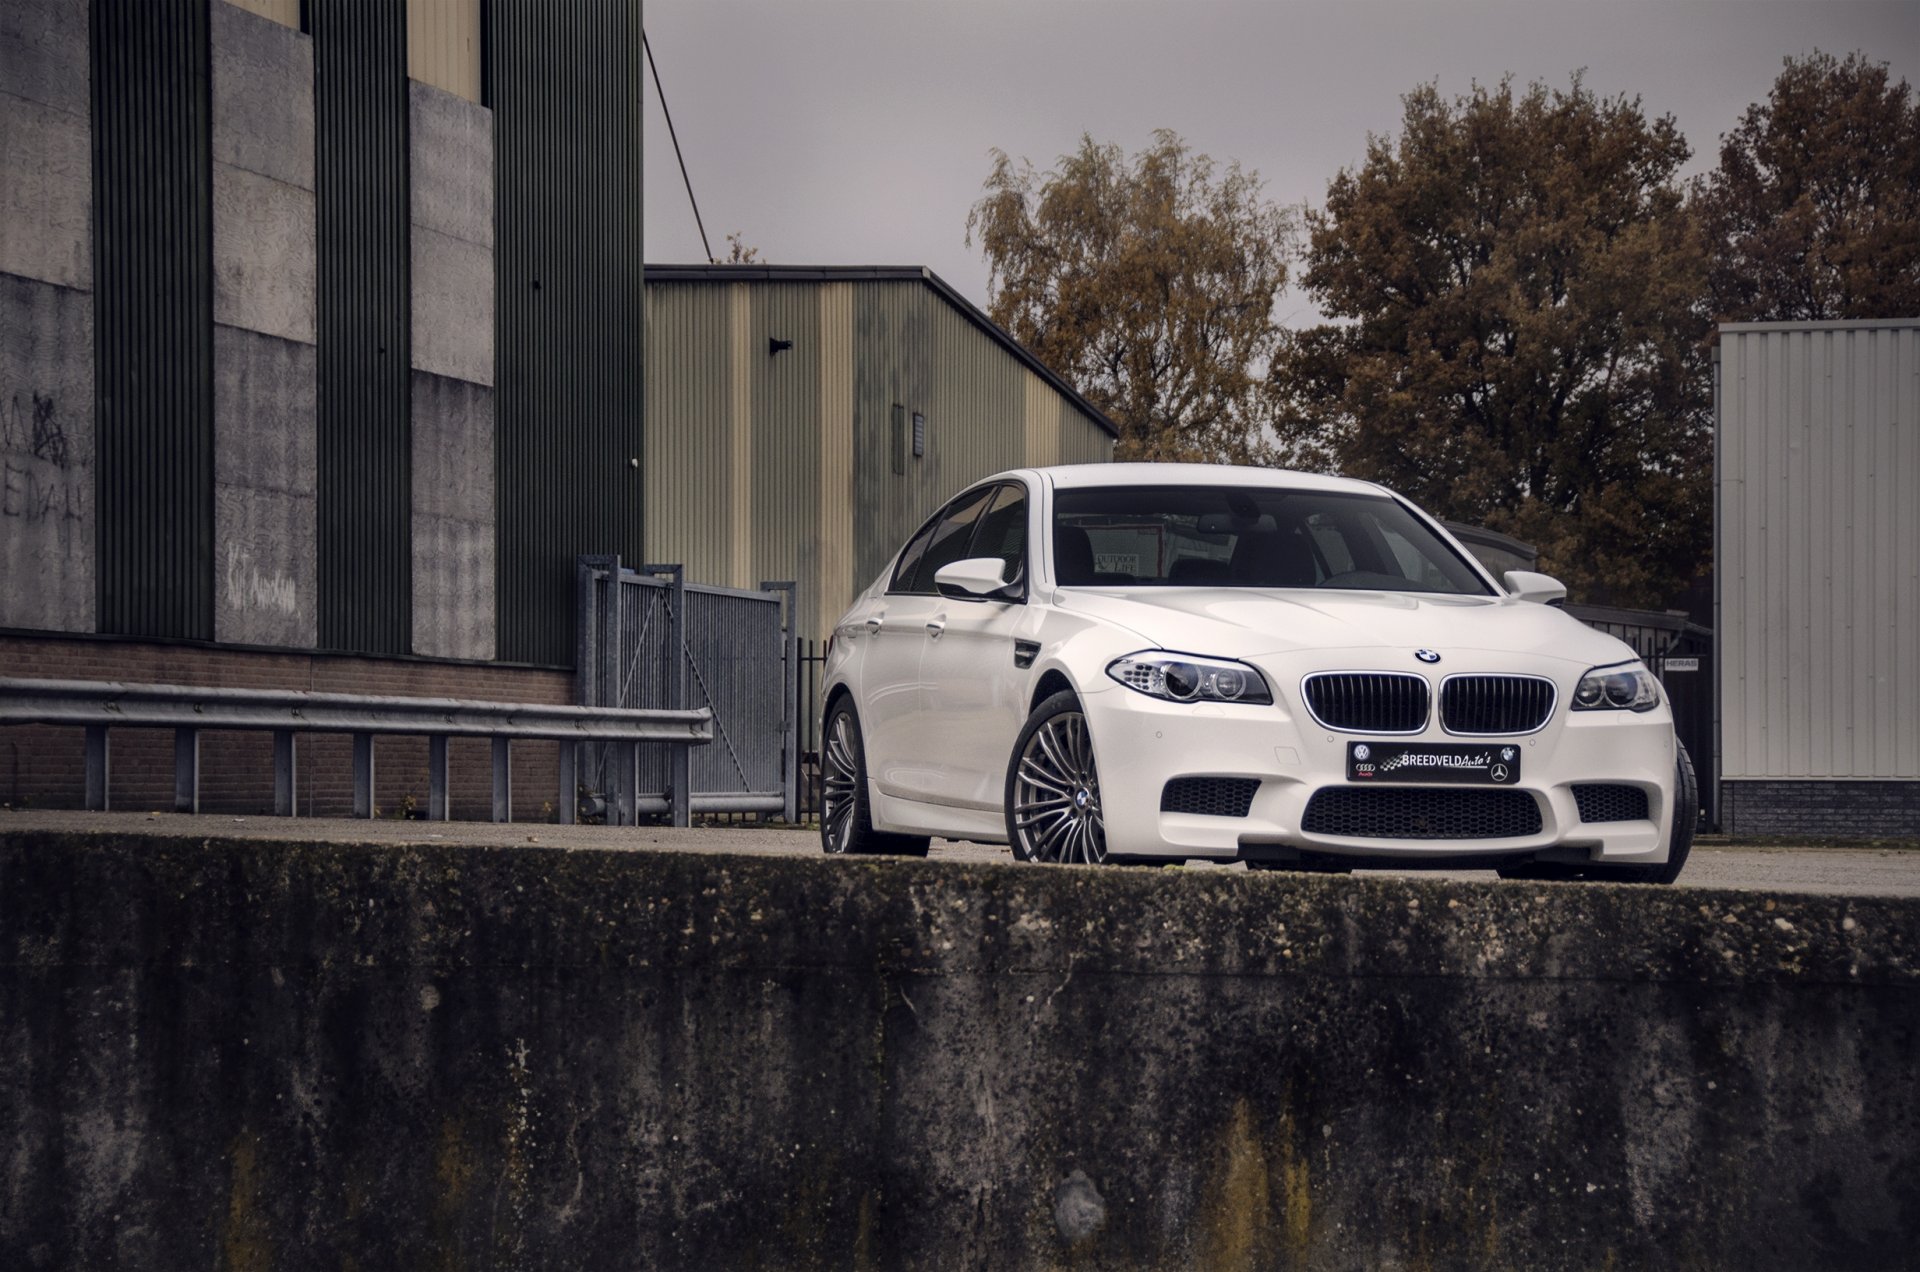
858	131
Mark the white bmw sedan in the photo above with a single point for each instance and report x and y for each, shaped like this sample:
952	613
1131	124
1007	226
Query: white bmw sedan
1157	662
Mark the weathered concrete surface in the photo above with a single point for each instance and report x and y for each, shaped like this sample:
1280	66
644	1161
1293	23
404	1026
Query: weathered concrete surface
264	589
46	318
264	363
46	164
46	456
450	158
257	1054
453	518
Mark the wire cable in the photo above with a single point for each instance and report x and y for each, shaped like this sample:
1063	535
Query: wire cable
661	92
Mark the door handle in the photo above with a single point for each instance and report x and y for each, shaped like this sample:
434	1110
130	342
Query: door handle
936	626
873	625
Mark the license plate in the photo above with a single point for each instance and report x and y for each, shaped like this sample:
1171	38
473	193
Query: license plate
1397	762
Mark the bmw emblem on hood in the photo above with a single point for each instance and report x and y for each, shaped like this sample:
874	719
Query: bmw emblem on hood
1426	655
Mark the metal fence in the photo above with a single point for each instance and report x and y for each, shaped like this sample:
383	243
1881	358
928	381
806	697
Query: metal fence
648	639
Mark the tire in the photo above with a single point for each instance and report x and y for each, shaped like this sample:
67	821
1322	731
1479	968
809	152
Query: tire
1686	817
1052	796
846	827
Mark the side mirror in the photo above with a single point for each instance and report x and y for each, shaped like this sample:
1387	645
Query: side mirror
1541	589
976	578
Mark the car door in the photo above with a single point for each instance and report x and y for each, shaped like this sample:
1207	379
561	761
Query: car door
971	680
898	753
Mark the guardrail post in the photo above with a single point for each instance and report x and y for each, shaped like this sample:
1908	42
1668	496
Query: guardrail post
503	779
186	770
626	780
680	758
437	778
97	766
568	809
363	775
286	795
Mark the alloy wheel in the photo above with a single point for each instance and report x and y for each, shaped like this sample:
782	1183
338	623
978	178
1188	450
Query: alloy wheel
1056	794
839	778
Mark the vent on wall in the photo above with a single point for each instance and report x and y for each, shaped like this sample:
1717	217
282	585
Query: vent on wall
919	435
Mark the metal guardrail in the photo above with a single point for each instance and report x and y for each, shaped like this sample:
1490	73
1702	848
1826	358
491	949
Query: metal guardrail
97	706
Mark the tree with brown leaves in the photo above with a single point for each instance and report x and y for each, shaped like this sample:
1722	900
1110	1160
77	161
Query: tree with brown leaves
1516	280
1814	211
1148	283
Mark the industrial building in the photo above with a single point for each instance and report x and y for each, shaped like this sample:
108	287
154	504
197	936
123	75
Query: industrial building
324	356
320	360
802	421
1818	568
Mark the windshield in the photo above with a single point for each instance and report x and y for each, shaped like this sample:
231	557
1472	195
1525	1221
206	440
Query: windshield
1236	536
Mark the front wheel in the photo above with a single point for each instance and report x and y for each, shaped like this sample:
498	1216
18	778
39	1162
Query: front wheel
1686	816
1053	787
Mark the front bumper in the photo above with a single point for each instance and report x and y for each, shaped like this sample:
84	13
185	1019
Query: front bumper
1142	743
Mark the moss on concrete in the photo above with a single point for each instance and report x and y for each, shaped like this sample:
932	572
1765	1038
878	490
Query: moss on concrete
432	1056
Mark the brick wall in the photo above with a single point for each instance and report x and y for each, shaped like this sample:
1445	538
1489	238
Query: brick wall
43	767
1825	810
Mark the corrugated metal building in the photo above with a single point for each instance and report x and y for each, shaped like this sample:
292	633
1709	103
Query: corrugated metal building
1818	515
802	421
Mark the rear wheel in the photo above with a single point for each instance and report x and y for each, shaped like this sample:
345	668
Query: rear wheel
1053	788
846	828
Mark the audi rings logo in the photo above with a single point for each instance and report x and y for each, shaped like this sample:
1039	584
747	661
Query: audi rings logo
1426	655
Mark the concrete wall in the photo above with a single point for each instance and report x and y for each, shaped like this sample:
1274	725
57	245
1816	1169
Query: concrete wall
451	145
265	589
46	318
249	1055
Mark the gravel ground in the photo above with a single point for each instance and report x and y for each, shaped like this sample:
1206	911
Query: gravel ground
1865	871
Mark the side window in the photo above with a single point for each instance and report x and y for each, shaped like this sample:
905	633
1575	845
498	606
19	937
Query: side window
910	559
1003	531
951	523
952	537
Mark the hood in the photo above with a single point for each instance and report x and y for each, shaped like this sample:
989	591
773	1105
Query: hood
1248	622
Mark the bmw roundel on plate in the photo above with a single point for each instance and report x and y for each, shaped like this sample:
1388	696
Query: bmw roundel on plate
1157	662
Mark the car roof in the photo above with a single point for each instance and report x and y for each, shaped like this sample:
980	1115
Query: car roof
1078	476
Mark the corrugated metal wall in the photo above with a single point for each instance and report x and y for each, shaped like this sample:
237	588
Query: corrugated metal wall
153	240
1819	550
782	466
364	452
565	83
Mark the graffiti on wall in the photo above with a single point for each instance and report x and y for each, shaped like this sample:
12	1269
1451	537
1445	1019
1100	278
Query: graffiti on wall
39	481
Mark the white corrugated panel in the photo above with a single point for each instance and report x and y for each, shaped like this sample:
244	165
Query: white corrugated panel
1819	550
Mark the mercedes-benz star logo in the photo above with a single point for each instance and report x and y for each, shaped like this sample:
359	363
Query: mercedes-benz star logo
1499	773
1426	655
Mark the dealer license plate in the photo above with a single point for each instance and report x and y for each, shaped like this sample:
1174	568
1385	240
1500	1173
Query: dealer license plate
1497	765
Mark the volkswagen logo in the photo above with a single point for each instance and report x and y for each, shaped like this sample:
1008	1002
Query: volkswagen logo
1426	655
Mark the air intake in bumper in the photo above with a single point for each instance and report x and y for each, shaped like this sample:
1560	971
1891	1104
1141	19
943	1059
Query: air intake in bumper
1392	812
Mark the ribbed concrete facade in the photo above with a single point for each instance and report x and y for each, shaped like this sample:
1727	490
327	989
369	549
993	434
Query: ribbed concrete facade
1819	567
799	463
47	436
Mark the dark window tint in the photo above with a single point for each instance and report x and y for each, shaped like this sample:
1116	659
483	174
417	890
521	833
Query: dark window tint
1003	531
1259	537
910	558
952	538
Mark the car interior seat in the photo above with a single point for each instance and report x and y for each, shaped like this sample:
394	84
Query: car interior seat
1275	558
1072	557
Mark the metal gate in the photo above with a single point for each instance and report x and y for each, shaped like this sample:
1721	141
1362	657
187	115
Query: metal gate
648	638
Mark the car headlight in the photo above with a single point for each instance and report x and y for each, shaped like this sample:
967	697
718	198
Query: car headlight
1188	678
1627	686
